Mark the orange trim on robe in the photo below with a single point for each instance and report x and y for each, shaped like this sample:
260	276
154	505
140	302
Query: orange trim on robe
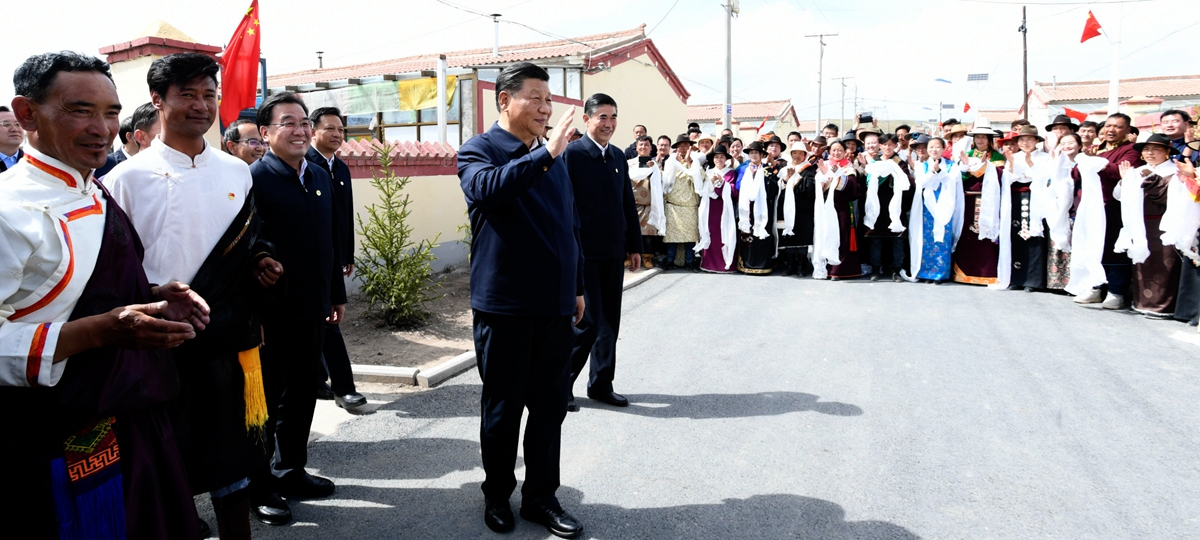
62	284
52	171
33	365
961	277
93	210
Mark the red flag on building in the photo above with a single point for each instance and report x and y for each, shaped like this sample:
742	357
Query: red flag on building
239	67
1091	28
1077	115
966	106
760	125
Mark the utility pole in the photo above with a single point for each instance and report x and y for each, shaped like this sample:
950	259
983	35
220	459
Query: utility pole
1025	65
495	35
842	121
820	74
727	110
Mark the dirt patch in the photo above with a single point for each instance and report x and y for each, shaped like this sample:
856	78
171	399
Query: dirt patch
445	334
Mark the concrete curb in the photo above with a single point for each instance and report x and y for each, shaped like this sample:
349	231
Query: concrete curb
433	376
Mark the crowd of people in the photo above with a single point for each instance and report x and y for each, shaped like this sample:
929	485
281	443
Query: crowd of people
1089	210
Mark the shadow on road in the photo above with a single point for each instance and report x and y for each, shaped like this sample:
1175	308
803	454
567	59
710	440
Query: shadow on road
396	459
458	513
453	401
703	406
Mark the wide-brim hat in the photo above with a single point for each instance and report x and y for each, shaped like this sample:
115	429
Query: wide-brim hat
681	139
757	146
983	126
958	128
1194	145
820	140
719	149
1158	139
1029	131
850	137
1005	137
797	146
774	139
709	137
1063	120
920	139
860	134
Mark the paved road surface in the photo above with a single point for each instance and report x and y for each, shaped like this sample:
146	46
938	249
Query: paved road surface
772	407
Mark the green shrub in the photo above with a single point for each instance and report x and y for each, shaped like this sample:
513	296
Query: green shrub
395	271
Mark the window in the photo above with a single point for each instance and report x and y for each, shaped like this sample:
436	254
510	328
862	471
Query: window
574	88
422	125
556	81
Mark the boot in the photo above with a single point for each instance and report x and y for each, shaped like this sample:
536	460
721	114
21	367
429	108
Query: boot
233	515
648	260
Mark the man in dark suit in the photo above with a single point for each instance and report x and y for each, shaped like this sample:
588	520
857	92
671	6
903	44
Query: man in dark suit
328	134
295	203
609	230
639	131
11	137
522	213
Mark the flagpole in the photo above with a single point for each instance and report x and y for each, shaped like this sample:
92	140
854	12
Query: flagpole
1114	80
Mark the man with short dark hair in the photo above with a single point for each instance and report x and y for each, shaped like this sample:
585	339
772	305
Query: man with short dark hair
1177	126
610	231
296	205
830	132
328	135
86	343
794	137
128	145
242	140
639	131
11	137
1088	131
663	146
522	211
144	127
194	208
902	141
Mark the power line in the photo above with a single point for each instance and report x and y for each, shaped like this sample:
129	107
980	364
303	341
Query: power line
664	17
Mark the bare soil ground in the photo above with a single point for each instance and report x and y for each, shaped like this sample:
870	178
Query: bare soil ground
445	334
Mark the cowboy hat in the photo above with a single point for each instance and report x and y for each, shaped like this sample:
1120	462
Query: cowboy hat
756	146
820	140
1158	139
1062	119
1029	131
681	139
861	133
797	146
921	138
983	126
710	138
958	128
775	140
718	149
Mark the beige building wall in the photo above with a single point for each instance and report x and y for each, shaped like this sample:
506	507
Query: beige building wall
437	205
643	97
130	78
490	115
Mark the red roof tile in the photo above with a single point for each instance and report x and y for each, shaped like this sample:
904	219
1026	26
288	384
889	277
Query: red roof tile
456	59
742	111
1181	85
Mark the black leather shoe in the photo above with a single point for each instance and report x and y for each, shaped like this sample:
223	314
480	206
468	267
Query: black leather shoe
350	401
611	398
875	277
498	516
571	405
1028	289
555	519
324	391
896	277
269	508
301	485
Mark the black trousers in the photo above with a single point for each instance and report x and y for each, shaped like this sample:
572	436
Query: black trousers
525	364
899	248
596	334
291	361
1187	306
336	362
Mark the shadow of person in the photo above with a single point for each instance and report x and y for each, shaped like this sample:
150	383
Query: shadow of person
435	513
705	406
450	401
400	459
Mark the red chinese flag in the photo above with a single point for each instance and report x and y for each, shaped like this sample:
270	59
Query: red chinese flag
1077	115
966	106
1091	28
761	124
239	67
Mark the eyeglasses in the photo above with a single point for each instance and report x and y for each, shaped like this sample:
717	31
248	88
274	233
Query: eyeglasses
253	143
293	125
10	125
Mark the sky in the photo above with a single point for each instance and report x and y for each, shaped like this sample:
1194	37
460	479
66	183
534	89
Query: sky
892	51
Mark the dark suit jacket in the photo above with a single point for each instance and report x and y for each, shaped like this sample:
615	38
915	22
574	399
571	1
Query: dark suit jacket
630	152
343	203
298	220
525	256
608	220
109	163
20	154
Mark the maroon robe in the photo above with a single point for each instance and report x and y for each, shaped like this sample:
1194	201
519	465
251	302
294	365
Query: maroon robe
1155	282
843	201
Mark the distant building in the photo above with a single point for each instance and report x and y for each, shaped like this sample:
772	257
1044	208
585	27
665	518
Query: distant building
1138	97
776	116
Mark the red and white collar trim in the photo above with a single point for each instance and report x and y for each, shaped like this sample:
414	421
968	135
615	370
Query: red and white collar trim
56	168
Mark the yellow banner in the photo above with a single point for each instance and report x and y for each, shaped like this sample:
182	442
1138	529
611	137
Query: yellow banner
417	94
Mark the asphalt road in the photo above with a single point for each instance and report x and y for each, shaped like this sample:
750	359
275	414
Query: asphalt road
773	407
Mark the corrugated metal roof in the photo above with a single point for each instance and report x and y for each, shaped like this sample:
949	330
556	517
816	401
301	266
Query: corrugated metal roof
457	59
1181	85
748	110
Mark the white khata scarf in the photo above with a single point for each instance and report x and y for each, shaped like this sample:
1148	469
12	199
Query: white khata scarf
883	169
658	218
728	227
827	239
789	196
1181	220
1087	237
754	189
1129	191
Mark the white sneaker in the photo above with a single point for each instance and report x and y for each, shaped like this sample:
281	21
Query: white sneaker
1091	297
1114	301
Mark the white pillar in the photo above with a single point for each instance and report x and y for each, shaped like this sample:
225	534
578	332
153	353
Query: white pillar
441	98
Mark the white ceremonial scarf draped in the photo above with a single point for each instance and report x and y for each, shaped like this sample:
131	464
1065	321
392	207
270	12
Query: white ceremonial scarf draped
946	207
1018	172
882	169
707	191
1132	239
827	235
1087	236
728	226
989	199
1062	186
52	223
180	207
789	196
1181	220
658	218
753	190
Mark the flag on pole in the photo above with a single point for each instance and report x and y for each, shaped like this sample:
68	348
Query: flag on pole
1091	28
239	67
966	106
1077	115
760	125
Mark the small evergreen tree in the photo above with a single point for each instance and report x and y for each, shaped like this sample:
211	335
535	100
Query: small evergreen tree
395	271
